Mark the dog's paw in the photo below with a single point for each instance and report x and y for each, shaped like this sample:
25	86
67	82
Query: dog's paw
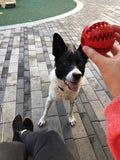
72	121
41	122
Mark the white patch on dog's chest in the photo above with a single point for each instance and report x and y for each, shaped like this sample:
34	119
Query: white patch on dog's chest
64	93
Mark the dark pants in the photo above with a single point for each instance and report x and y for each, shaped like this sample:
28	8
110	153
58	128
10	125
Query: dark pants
45	146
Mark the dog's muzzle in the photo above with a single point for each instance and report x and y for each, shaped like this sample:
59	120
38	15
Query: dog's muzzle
76	76
74	83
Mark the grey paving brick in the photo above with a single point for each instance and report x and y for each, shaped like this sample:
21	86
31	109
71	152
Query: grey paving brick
85	82
19	109
13	67
26	66
31	47
34	72
26	75
40	58
98	109
10	94
1	67
4	72
103	97
3	51
52	110
26	59
67	106
66	128
8	55
53	123
84	149
6	64
14	59
21	71
3	84
36	99
88	73
90	112
27	103
70	143
89	65
20	96
8	111
87	124
44	76
1	96
89	92
42	66
11	79
100	133
4	45
20	83
82	95
7	129
26	86
33	62
26	52
15	51
78	130
60	108
108	153
35	83
21	63
103	125
36	115
45	89
27	113
80	106
97	148
94	83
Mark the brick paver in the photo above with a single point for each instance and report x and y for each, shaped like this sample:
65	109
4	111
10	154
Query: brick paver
25	63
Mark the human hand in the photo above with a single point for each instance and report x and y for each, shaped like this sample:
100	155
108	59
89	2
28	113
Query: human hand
108	66
117	32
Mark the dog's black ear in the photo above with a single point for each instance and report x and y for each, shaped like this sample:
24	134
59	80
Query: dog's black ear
59	47
82	53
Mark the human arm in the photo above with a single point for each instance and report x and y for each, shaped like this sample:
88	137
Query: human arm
108	66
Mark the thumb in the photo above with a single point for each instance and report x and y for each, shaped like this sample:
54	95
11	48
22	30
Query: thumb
93	55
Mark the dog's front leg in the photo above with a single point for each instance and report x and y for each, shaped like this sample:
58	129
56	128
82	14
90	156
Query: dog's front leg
45	113
72	119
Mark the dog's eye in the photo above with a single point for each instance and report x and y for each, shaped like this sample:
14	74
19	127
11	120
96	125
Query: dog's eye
80	63
66	63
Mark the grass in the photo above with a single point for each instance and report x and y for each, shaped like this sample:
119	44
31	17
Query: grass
32	10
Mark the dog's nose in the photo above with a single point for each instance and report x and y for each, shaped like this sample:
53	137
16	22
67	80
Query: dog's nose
76	76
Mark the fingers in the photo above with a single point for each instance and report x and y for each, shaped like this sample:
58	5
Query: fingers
117	36
115	50
116	28
97	58
117	32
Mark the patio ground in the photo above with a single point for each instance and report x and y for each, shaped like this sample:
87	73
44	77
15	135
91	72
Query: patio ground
25	63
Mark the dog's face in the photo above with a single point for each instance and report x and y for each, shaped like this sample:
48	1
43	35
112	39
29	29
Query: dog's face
69	62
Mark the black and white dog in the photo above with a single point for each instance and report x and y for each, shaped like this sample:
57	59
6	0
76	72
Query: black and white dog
67	76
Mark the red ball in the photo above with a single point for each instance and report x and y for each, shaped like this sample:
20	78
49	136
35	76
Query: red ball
98	35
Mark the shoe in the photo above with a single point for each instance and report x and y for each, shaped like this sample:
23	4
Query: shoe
28	124
17	126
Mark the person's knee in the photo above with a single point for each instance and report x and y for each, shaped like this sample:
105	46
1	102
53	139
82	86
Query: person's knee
52	134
